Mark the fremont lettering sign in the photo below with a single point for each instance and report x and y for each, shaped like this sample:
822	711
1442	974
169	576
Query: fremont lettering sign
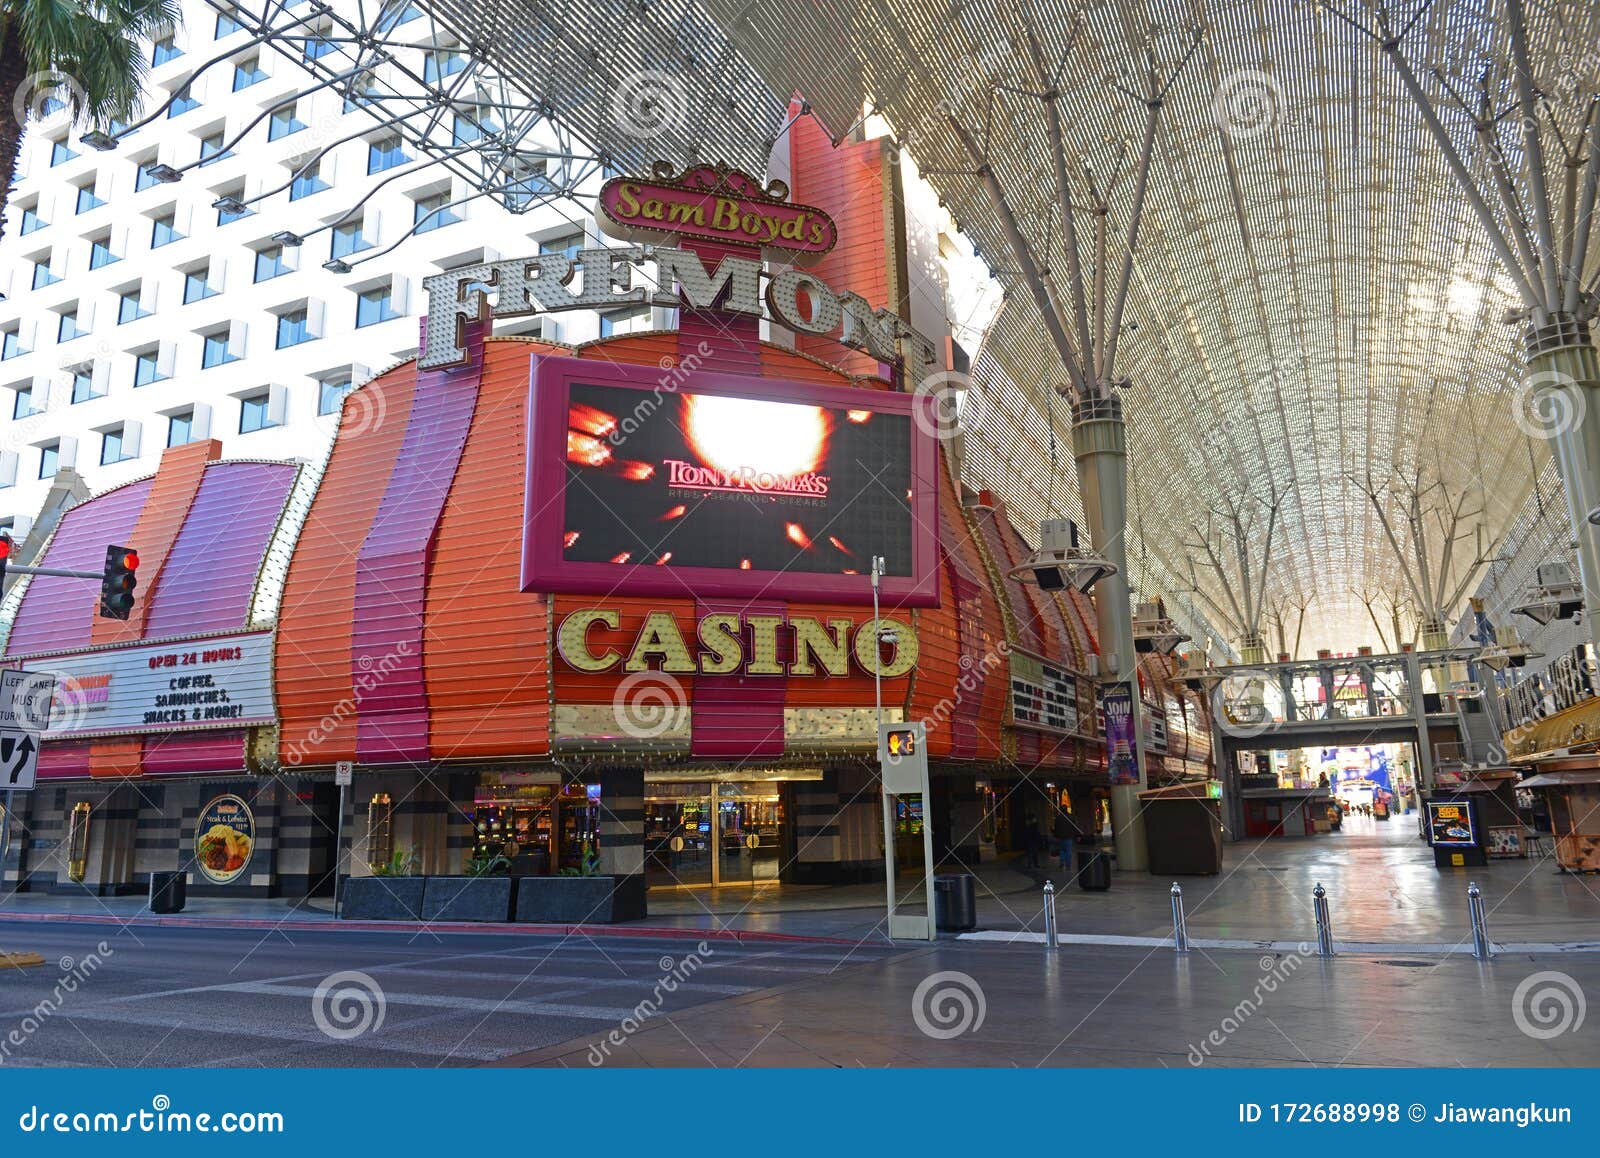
725	643
604	278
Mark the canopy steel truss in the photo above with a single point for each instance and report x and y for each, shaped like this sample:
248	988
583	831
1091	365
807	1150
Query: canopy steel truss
1318	297
423	81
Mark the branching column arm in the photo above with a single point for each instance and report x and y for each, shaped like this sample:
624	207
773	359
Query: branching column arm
1469	188
1523	70
1036	279
1051	99
1125	275
1583	225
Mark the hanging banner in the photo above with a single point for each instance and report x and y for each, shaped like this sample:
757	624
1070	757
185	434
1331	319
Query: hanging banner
224	839
1116	702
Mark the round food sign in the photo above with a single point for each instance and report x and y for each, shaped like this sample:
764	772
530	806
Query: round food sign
225	836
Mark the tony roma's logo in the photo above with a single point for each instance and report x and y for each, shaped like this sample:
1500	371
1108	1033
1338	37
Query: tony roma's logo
745	479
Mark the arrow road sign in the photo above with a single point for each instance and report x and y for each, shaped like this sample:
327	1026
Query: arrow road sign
19	759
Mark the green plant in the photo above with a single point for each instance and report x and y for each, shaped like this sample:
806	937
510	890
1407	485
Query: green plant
588	863
484	863
403	863
92	55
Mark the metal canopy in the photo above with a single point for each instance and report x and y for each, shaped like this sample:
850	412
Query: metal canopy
1313	303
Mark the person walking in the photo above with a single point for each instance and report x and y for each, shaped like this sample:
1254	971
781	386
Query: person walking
1067	834
1030	842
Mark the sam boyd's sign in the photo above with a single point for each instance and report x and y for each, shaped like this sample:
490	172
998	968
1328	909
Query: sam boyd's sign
715	202
216	682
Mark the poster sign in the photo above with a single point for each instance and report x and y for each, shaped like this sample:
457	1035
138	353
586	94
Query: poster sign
217	682
225	839
1450	823
1116	703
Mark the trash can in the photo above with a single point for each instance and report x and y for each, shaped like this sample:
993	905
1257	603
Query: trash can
169	892
955	902
1094	869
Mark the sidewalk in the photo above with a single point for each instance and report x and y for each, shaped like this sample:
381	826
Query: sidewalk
1381	882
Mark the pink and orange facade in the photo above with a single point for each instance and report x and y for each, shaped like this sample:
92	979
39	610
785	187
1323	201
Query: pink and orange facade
376	612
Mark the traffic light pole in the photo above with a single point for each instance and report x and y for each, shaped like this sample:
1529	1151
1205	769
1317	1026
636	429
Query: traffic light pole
58	572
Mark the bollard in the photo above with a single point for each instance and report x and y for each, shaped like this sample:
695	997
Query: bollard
1050	941
1319	903
1480	931
1180	927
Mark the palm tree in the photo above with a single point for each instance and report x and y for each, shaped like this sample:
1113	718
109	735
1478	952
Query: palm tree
89	49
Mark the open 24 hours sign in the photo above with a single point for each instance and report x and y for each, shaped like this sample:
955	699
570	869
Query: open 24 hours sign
181	685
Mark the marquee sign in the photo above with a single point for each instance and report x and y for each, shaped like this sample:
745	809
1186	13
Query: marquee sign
727	642
216	682
715	203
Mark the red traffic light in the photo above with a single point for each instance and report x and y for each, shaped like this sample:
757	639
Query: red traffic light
5	547
118	582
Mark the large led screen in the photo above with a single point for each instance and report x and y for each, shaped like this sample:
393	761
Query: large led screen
711	484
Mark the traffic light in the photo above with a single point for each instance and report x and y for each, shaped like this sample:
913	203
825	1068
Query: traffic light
116	587
5	553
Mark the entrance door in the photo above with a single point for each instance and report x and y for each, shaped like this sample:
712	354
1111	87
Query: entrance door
323	854
678	835
750	832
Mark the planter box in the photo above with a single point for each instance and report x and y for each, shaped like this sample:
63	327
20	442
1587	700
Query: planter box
381	898
467	899
579	900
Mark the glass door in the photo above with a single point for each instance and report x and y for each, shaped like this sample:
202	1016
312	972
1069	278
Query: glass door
679	836
749	832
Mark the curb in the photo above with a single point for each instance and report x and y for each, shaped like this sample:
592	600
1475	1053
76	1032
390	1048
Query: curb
500	929
1304	948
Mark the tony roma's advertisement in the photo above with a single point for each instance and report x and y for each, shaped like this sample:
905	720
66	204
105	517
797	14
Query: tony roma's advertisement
729	487
216	682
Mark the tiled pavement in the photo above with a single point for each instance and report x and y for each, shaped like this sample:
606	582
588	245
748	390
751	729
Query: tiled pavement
1381	881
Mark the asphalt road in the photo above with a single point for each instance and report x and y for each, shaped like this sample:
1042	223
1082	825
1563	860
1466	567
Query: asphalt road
167	997
193	997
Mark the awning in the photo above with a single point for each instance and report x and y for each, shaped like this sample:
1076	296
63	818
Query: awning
1559	779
